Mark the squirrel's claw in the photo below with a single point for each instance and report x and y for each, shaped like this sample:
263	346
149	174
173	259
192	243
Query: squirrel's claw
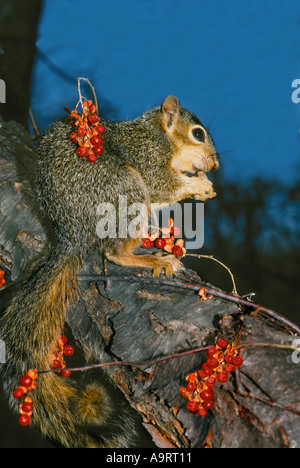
169	263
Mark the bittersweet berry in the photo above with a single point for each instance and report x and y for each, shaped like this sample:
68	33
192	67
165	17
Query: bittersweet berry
201	374
192	406
222	343
212	363
208	404
160	243
207	372
228	358
56	364
207	394
68	350
25	381
81	131
211	351
82	151
24	420
229	368
191	386
177	251
237	361
96	140
100	129
27	407
222	377
175	231
147	243
92	157
93	118
2	280
202	412
210	381
98	150
18	393
63	339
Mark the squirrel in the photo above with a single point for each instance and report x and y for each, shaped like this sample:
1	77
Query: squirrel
160	157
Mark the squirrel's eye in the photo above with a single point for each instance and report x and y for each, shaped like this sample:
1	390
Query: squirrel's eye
199	134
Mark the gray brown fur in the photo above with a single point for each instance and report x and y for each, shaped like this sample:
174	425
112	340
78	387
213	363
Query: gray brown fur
147	160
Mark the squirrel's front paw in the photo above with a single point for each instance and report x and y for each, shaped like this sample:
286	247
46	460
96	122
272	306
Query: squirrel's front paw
205	188
169	263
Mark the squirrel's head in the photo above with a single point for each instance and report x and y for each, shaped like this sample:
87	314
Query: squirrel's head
194	149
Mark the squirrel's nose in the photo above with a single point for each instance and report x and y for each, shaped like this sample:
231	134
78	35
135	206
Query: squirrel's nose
216	163
216	166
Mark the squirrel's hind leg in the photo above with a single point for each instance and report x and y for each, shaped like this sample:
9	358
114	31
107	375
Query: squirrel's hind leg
124	255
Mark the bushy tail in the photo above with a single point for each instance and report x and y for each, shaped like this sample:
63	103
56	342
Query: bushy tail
30	327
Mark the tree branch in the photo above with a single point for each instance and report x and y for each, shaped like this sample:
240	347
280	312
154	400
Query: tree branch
196	287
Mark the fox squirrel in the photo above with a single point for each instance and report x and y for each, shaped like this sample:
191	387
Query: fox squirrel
150	159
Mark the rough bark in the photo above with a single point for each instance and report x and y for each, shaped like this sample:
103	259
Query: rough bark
129	321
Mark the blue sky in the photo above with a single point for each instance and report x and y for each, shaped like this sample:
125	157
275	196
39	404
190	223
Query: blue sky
231	62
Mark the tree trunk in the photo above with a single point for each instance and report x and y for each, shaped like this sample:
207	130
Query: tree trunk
136	321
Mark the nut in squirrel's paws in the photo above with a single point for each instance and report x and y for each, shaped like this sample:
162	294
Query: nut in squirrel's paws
169	263
206	188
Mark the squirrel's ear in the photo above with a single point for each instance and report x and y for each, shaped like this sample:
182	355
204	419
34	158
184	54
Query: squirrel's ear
170	111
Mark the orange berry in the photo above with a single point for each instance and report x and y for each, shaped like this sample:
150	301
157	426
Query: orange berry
32	373
28	400
88	103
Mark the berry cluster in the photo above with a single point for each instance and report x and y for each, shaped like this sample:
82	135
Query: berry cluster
58	362
28	381
2	280
87	137
221	360
164	238
27	385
